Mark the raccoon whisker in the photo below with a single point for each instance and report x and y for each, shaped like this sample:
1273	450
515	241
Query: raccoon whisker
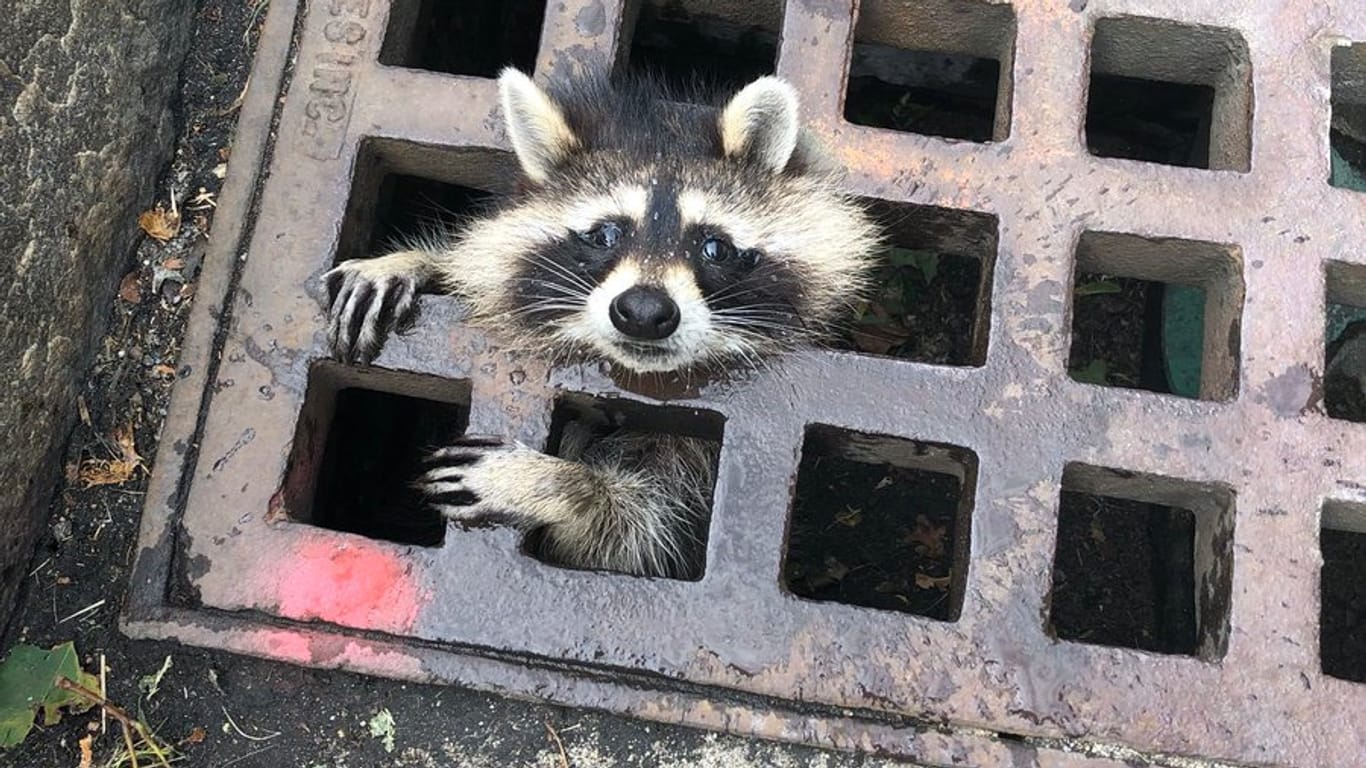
537	260
772	315
564	290
746	287
771	308
564	302
542	312
754	323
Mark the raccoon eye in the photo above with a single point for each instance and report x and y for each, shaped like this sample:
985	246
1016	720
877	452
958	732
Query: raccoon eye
603	235
717	250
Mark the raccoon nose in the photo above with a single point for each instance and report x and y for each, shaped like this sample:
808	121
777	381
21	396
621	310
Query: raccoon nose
644	313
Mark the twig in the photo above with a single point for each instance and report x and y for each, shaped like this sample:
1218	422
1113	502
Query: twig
253	753
83	611
242	733
564	756
130	725
104	691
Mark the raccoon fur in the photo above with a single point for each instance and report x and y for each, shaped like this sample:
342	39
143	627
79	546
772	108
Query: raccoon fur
647	233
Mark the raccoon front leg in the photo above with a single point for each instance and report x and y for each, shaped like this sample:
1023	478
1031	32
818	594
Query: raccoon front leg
477	478
368	298
603	516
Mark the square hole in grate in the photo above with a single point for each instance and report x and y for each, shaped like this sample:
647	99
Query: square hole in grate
359	444
932	301
1347	134
1160	314
401	190
1170	93
721	44
1344	378
1142	562
647	438
940	68
1342	590
463	37
881	522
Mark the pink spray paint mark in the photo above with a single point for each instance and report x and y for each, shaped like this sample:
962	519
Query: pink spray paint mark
352	584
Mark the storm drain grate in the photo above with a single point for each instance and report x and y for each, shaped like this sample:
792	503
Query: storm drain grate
1031	160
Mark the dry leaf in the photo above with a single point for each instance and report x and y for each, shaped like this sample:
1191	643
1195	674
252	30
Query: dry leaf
926	581
175	263
84	410
130	288
163	369
890	587
87	752
1097	533
879	340
197	735
116	470
159	223
835	569
220	171
849	516
927	536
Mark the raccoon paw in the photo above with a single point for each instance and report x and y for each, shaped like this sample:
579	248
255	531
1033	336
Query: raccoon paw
367	299
462	480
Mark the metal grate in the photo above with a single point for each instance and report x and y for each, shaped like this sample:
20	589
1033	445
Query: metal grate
344	118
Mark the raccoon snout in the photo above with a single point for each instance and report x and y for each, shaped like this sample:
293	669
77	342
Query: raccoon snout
644	313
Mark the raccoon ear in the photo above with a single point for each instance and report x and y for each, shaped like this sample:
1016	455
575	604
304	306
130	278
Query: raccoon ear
761	122
540	136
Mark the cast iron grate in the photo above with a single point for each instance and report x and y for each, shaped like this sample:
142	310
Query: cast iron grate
1347	129
932	68
1169	93
898	510
1136	566
1243	495
462	37
705	44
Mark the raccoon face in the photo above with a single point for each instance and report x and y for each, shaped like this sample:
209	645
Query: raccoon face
661	238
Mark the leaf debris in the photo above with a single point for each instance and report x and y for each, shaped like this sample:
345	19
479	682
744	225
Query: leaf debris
149	684
118	469
382	727
159	223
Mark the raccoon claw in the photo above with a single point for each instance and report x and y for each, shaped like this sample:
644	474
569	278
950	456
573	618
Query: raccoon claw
450	483
365	304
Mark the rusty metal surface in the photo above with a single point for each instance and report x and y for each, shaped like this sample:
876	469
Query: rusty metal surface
223	564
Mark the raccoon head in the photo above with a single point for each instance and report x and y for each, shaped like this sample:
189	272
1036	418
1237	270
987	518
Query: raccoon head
663	237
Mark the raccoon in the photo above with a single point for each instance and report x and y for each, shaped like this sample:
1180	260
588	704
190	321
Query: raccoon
656	236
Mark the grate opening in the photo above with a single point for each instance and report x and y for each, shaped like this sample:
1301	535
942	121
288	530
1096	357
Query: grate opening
463	37
932	68
1156	314
1347	133
360	442
881	522
1170	93
401	190
1142	562
1342	585
1344	378
721	45
933	298
582	427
